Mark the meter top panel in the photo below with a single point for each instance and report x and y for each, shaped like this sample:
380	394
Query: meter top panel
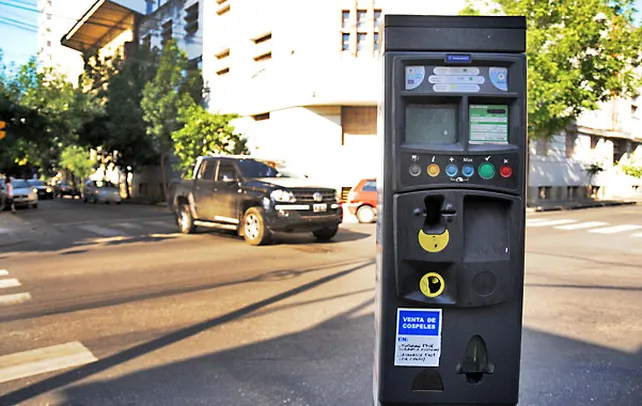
455	102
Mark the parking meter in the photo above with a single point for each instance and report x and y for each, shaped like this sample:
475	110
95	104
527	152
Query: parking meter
450	229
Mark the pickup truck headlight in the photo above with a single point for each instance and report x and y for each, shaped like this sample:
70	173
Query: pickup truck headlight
48	190
34	190
283	196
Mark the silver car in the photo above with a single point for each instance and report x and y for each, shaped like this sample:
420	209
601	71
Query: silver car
24	194
100	191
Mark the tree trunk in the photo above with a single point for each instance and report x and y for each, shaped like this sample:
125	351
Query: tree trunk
163	156
127	194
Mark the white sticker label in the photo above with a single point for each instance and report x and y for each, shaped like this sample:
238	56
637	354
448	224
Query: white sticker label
454	71
479	80
418	338
414	76
451	88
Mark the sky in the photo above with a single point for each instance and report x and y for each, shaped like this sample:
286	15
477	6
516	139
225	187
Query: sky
19	21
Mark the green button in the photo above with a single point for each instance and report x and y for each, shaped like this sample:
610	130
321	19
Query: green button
486	170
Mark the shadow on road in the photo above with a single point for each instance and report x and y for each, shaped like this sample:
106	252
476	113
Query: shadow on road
152	292
76	374
331	364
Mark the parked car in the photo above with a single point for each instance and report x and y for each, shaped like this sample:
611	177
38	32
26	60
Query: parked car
24	194
362	200
101	191
64	188
44	191
253	199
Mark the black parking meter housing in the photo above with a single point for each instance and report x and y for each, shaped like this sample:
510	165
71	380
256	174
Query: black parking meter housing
450	230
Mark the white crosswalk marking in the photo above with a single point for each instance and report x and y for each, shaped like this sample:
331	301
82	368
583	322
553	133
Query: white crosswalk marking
9	283
615	229
129	226
164	224
102	231
4	272
580	226
41	360
14	298
550	223
637	235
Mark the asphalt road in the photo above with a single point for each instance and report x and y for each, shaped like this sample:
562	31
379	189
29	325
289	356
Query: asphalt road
121	310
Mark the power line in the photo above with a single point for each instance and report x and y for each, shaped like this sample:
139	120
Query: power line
20	22
10	24
18	6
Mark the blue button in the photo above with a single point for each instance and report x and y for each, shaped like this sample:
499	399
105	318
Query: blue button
451	170
468	170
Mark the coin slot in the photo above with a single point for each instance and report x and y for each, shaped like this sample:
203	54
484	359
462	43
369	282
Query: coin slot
432	284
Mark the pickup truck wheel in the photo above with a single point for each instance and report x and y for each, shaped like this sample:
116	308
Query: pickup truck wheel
254	230
365	214
184	220
326	233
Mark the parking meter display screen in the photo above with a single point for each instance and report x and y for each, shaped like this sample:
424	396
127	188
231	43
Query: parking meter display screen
431	124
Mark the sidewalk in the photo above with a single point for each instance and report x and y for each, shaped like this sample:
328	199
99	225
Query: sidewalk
586	204
14	230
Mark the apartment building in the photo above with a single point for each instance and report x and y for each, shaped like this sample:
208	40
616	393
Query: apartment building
55	18
560	166
181	20
305	77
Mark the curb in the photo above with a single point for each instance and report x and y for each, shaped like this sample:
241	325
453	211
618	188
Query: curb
591	205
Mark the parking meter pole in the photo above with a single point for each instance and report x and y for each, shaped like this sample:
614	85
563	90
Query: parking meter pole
450	230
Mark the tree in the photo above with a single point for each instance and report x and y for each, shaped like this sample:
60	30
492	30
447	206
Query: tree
77	160
163	97
204	133
580	53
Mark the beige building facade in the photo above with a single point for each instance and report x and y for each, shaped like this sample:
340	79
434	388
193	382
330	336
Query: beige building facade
305	77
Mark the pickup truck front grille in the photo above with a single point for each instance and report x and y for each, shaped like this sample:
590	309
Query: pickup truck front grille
307	196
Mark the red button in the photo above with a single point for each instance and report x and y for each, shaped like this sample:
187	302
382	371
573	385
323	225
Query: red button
506	171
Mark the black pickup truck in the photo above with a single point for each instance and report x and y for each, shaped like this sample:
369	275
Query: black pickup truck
253	199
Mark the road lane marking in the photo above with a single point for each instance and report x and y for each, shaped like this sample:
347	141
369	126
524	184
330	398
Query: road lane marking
9	283
530	221
129	226
615	229
579	226
637	235
41	360
4	272
550	223
14	298
163	224
102	231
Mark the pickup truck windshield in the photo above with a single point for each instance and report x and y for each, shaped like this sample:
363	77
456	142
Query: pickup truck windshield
254	169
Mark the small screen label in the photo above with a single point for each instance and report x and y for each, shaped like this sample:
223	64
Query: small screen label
488	124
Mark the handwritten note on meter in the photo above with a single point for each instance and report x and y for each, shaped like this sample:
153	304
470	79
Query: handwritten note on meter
488	124
418	342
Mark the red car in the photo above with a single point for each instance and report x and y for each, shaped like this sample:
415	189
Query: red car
362	200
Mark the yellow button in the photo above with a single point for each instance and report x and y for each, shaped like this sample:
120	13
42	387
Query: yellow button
433	170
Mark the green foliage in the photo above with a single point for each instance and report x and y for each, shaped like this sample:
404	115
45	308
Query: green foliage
631	168
165	94
575	60
77	160
205	133
44	114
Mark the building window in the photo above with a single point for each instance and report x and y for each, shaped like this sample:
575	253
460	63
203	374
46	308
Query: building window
261	117
48	16
265	57
377	20
346	42
191	20
167	32
223	71
362	16
48	43
223	10
345	19
263	38
224	54
361	41
376	41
